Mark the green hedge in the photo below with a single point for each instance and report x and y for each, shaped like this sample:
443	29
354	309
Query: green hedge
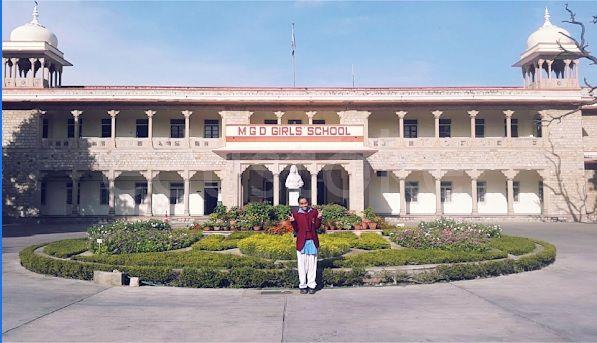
67	247
513	245
371	241
247	276
215	243
407	256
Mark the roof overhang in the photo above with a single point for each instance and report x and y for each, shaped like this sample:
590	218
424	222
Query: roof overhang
543	49
34	48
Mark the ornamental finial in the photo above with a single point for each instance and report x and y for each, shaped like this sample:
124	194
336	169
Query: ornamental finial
546	16
35	19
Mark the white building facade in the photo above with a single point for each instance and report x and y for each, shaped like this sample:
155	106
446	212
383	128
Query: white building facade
481	152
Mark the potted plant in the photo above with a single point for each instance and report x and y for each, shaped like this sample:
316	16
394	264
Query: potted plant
282	212
371	219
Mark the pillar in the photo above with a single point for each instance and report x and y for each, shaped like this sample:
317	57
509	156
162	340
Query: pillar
186	177
437	175
402	175
39	178
76	114
75	176
356	186
60	77
474	175
32	70
150	115
549	63
539	75
42	69
545	119
508	114
149	176
510	175
4	68
187	126
436	115
276	189
314	171
111	175
546	191
112	114
401	115
279	115
310	115
473	115
14	68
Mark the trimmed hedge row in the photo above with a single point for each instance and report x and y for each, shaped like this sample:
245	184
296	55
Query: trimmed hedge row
284	277
215	243
67	247
513	245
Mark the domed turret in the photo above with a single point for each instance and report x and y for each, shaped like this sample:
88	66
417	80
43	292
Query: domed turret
550	60
31	58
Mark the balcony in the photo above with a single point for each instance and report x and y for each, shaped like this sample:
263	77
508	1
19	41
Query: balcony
455	142
159	143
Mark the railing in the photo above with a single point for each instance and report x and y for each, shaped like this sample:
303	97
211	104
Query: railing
58	143
94	142
133	143
169	143
206	143
455	142
194	143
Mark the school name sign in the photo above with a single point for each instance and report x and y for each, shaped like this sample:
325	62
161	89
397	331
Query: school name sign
288	133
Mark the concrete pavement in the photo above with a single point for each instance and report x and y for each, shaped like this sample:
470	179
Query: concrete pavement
558	303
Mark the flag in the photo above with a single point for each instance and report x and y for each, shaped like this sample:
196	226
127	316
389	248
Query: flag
292	41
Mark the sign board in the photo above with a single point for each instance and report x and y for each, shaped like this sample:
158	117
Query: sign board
294	133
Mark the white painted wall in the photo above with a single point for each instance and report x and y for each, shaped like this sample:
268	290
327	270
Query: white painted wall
461	198
384	194
496	201
529	202
425	203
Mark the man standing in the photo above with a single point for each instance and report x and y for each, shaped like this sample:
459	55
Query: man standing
305	222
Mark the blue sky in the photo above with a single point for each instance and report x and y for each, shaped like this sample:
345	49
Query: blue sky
248	43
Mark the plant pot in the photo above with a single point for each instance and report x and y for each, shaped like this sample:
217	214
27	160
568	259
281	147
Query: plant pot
365	223
358	226
287	224
256	228
372	226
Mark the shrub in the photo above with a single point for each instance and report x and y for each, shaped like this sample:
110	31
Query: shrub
141	236
513	245
259	214
282	212
399	257
215	243
330	246
331	213
275	247
68	247
241	234
371	241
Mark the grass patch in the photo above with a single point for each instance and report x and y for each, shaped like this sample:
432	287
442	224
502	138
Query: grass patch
67	248
371	241
513	245
215	243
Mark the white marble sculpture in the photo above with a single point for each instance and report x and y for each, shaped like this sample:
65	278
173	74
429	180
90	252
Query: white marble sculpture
294	184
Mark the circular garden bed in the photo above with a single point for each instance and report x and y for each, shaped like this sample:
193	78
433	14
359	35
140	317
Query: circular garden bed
441	250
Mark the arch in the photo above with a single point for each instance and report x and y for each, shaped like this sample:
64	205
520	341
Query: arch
305	176
333	185
257	184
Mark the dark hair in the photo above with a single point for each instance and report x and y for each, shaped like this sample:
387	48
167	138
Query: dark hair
301	197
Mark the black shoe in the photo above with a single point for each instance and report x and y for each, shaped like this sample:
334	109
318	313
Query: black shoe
311	290
303	291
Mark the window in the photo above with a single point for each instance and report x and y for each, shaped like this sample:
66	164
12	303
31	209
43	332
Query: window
382	173
410	128
295	121
140	192
142	130
45	128
514	127
444	128
540	191
176	128
69	193
211	128
537	127
103	194
270	121
516	190
43	191
70	128
176	193
106	128
480	128
78	193
446	191
412	191
318	121
481	191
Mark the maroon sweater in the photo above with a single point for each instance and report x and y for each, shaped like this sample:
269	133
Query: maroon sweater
305	227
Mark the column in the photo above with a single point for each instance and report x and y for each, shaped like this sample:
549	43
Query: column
149	175
437	175
473	115
32	70
112	114
60	77
76	114
356	187
75	176
549	63
539	75
14	68
186	177
545	119
508	114
310	115
187	126
276	189
401	115
279	115
4	67
314	170
39	178
510	175
567	68
150	115
42	69
402	175
111	175
436	115
474	175
546	191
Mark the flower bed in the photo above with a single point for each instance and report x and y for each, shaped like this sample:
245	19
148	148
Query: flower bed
67	247
142	236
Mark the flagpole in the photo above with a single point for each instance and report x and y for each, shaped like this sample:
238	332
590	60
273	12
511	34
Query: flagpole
293	47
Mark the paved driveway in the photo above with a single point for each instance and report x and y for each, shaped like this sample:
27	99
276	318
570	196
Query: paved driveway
558	303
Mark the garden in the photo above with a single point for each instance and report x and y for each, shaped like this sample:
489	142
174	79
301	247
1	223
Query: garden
254	247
